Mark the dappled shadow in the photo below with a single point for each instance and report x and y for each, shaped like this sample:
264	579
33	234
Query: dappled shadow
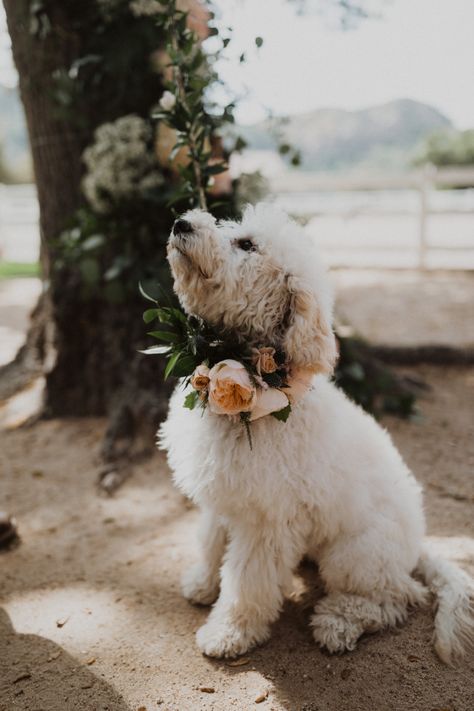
394	670
36	673
114	565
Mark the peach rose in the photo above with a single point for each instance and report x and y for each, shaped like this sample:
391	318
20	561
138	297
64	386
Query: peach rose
230	389
200	377
264	360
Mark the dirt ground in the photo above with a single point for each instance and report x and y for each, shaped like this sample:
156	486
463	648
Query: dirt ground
91	616
407	307
387	307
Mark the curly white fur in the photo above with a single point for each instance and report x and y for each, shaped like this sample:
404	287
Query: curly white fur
328	483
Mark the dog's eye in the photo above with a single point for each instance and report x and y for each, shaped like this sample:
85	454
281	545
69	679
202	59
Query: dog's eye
246	244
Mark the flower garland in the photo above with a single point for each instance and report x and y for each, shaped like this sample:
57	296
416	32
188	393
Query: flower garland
227	376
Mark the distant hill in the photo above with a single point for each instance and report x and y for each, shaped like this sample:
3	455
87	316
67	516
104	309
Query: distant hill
334	139
379	137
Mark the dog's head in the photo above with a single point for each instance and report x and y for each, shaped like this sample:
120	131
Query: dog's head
259	278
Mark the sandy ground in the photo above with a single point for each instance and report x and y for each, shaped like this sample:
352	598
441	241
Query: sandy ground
91	617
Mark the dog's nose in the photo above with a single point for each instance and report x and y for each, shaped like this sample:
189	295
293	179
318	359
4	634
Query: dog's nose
182	227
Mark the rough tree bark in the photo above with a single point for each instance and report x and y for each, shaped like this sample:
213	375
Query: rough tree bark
94	368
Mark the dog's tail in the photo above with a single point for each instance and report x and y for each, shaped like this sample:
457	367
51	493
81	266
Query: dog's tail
454	592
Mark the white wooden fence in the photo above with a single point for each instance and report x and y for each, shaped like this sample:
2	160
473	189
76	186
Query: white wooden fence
19	223
450	214
348	216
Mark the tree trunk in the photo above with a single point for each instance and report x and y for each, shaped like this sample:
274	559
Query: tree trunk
95	368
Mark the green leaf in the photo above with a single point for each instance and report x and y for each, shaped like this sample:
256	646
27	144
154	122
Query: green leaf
245	420
240	144
216	169
171	364
114	292
191	400
93	242
90	271
185	366
168	336
150	315
283	414
259	41
145	295
296	159
355	371
180	315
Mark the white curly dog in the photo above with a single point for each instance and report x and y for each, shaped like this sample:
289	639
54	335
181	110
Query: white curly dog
327	484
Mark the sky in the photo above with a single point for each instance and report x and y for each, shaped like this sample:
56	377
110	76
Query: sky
418	49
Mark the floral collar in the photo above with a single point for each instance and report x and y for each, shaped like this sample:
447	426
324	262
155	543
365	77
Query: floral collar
251	391
227	376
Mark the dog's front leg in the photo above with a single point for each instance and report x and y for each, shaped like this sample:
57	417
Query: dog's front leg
257	568
200	584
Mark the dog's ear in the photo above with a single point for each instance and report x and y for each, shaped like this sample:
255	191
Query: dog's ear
309	341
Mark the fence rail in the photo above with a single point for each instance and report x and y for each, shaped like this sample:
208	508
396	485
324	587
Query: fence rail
295	194
444	220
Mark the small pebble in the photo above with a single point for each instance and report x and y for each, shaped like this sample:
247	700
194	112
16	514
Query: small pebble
238	662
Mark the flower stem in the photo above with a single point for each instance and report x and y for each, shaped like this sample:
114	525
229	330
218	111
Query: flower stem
191	136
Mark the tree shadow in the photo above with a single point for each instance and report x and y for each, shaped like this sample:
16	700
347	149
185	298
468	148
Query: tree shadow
36	673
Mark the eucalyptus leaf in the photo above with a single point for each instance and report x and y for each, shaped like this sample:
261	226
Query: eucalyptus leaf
184	366
144	294
156	350
171	363
93	242
150	315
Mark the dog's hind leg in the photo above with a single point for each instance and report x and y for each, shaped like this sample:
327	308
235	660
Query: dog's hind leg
341	618
369	587
200	584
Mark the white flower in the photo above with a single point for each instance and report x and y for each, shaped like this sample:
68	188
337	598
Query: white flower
268	401
120	164
168	101
146	8
109	8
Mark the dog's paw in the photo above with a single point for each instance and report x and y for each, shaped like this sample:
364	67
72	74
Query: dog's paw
340	619
198	586
219	638
335	633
